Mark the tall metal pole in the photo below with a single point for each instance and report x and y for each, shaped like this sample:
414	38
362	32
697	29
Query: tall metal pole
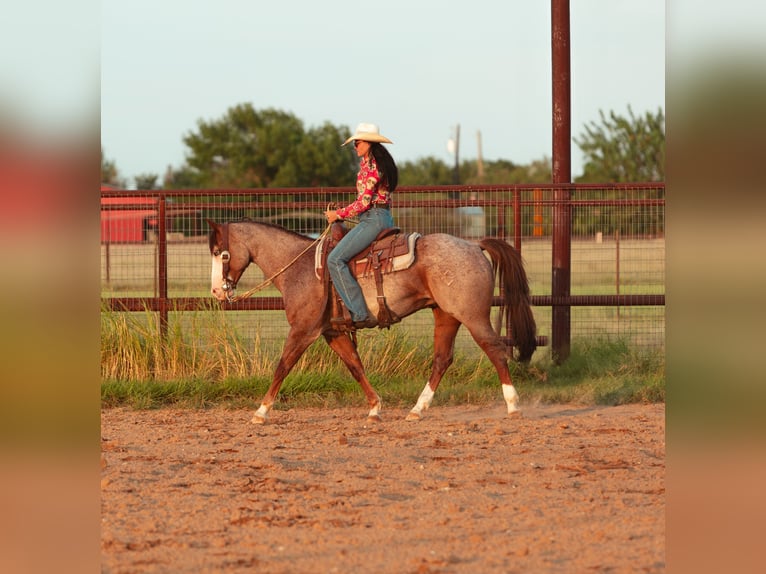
561	174
454	146
162	265
456	173
480	158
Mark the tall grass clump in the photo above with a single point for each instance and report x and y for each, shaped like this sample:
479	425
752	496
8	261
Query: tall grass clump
203	360
601	372
200	359
130	348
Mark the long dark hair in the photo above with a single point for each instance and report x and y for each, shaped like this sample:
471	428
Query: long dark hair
386	165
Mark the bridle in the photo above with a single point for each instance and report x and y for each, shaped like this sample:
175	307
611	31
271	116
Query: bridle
228	285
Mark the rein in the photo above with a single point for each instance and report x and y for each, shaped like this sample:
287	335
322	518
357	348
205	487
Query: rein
225	257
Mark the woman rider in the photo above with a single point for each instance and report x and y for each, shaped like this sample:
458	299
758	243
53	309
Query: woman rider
375	182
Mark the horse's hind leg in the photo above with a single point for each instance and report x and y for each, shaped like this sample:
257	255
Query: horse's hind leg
346	350
497	352
445	331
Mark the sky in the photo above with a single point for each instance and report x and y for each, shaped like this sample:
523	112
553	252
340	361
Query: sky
417	69
143	73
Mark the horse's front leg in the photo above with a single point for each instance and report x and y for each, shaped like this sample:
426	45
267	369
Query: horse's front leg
295	345
346	350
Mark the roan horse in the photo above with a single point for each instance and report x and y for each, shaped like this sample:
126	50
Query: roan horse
450	276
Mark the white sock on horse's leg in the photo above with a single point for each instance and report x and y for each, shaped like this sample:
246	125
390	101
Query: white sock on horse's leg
424	401
375	410
261	414
511	398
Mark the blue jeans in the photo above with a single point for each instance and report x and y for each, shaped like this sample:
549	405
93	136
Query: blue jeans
371	222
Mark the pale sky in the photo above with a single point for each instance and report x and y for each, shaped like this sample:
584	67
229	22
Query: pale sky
416	68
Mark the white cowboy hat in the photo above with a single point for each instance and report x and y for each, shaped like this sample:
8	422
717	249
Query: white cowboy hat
367	133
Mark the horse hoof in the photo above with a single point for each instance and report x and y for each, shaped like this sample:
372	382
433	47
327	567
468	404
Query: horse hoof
374	419
515	414
412	416
258	420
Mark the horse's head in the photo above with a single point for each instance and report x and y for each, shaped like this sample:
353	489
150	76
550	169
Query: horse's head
230	259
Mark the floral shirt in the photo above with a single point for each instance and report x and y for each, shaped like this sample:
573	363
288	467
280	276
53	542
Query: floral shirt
369	188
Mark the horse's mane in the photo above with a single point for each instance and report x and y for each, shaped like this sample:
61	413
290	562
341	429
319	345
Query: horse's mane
280	228
211	233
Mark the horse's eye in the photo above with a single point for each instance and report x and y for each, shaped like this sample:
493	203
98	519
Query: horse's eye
216	252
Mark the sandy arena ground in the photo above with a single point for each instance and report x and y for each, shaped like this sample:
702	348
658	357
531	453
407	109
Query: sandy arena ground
466	489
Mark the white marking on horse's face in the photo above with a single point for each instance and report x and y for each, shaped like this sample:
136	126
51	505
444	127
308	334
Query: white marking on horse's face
216	279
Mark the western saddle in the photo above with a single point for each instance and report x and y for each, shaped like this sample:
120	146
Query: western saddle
390	251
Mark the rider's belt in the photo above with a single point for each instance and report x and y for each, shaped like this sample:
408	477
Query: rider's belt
380	206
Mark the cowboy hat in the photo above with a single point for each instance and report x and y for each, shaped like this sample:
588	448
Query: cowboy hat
367	133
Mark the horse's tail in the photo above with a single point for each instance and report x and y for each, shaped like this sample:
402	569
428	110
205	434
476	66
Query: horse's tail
509	268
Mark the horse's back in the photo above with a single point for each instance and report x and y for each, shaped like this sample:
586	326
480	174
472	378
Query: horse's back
454	268
444	251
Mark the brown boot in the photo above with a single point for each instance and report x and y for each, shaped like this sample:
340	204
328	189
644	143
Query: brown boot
368	323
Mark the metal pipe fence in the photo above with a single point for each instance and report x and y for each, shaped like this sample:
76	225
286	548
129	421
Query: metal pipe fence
154	253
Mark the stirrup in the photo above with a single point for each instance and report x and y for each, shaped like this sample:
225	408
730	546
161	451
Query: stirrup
342	324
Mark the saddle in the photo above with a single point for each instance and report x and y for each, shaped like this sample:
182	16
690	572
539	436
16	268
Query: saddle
390	251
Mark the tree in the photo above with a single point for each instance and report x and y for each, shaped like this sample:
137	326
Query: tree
506	172
146	181
248	148
109	173
425	171
433	171
181	178
321	162
624	149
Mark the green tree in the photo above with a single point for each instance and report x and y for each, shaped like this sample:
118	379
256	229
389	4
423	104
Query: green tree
506	172
248	148
109	172
146	181
624	149
433	171
320	160
425	171
183	177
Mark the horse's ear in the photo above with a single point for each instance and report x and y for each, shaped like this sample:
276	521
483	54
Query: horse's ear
212	224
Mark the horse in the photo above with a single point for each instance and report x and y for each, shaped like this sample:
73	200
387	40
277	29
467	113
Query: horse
450	275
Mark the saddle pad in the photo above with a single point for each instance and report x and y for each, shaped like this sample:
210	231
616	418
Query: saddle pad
399	263
318	258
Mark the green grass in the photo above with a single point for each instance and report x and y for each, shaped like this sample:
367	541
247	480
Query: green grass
204	362
602	372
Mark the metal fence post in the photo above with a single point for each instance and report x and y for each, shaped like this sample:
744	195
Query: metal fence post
561	174
162	265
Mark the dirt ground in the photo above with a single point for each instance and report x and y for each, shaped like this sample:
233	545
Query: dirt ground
466	489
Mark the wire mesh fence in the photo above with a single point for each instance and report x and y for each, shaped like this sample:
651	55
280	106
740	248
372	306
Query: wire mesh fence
154	250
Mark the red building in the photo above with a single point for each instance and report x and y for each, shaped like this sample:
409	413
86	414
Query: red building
129	219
